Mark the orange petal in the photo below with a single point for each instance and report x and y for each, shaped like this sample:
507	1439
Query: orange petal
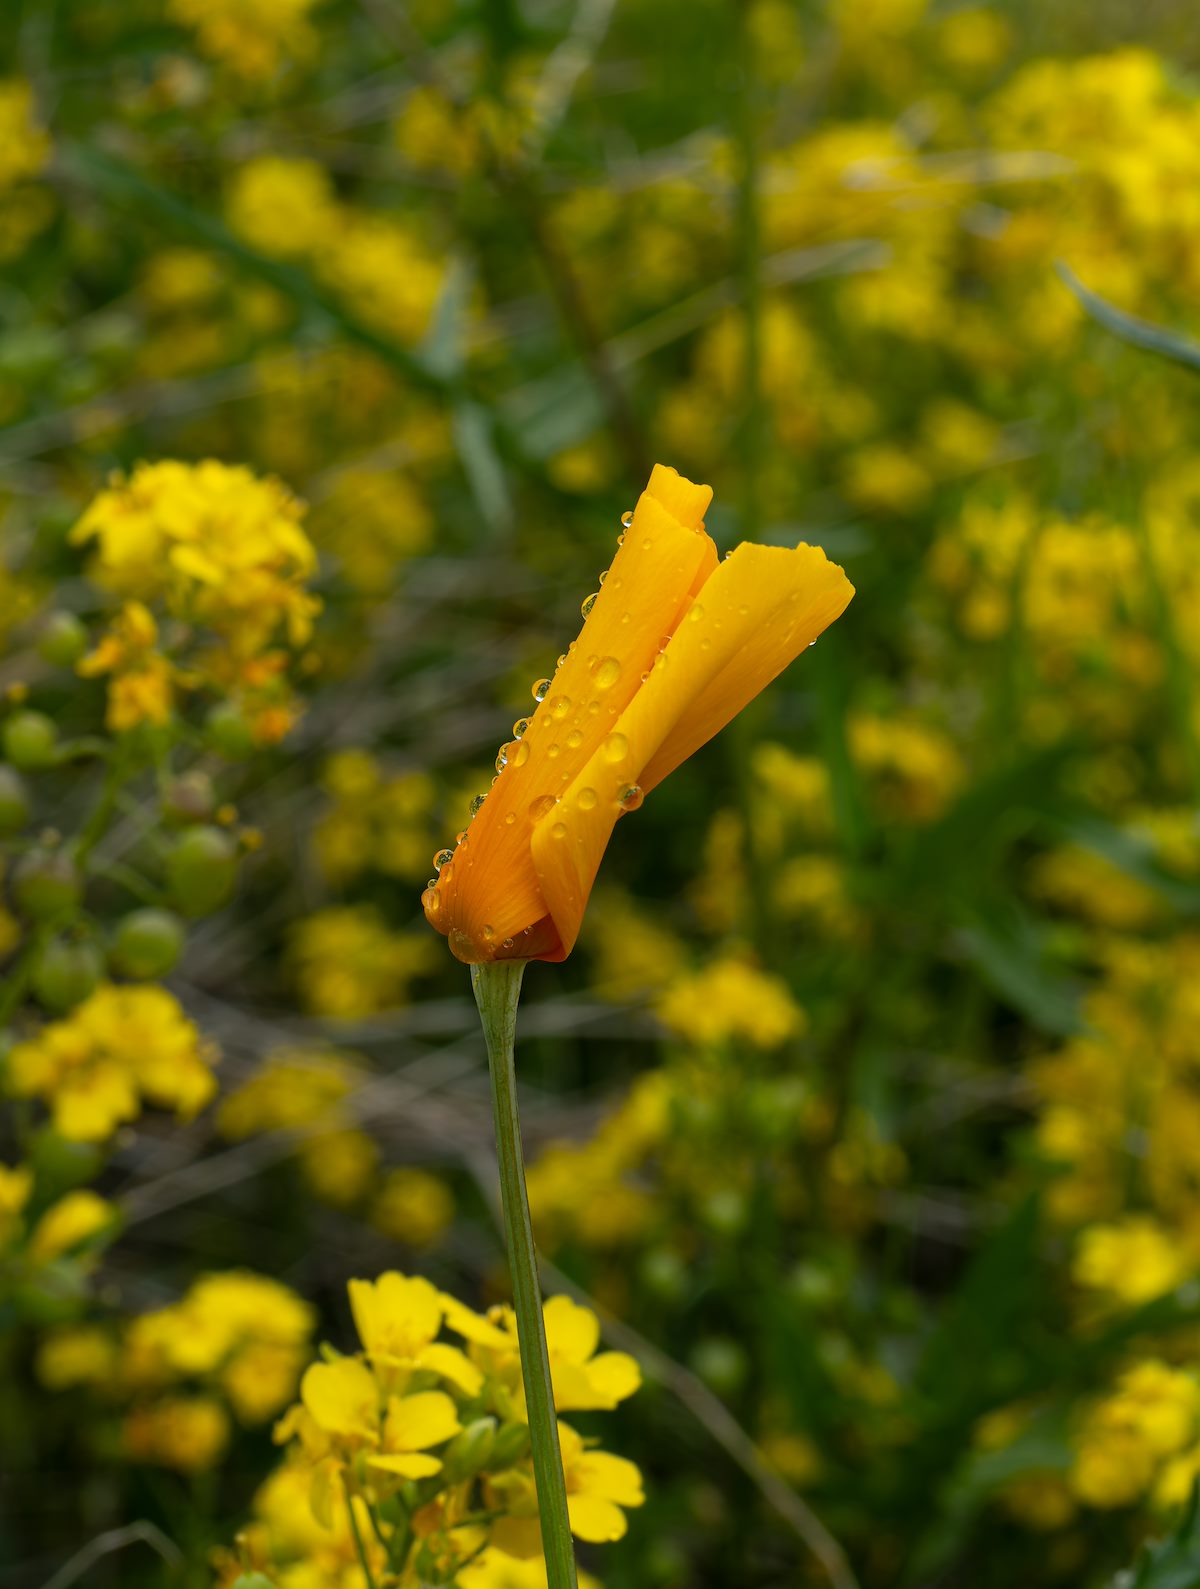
755	613
489	892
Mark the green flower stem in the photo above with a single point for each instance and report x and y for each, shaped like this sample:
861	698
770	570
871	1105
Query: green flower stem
497	988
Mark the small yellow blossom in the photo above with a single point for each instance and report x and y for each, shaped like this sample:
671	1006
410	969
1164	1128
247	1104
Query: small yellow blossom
1133	1261
74	1220
731	999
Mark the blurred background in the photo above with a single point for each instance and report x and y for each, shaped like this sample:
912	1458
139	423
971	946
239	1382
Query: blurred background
869	1105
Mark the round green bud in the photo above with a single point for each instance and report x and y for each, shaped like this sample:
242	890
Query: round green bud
14	800
721	1363
63	640
65	972
511	1446
46	884
228	731
189	798
470	1451
148	943
29	740
201	870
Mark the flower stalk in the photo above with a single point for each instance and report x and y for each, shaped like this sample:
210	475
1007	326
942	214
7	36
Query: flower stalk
497	989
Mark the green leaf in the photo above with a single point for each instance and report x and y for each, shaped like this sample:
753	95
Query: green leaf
1171	1563
1007	948
1129	328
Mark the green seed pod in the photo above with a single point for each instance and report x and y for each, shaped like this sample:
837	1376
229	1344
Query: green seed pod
189	798
148	943
46	884
14	800
470	1451
201	870
228	731
29	740
63	640
65	972
511	1445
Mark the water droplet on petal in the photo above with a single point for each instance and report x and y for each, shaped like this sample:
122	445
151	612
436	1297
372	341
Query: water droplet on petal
477	803
631	798
606	673
647	543
538	808
574	739
431	901
554	750
559	706
463	947
616	748
442	858
811	643
627	518
602	577
519	727
461	837
587	799
487	933
502	758
510	818
541	689
520	755
431	882
559	830
588	603
446	873
695	612
508	943
561	660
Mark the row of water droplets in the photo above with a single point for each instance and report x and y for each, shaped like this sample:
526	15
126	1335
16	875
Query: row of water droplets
605	672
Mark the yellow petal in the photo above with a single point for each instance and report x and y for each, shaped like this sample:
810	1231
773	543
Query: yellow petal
573	1388
665	557
395	1313
573	1332
408	1464
453	1365
614	1478
342	1397
415	1422
759	609
472	1326
595	1520
614	1375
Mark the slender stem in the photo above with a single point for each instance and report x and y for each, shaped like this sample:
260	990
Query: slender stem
497	988
360	1548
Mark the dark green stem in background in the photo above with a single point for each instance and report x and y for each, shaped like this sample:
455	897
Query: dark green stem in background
497	988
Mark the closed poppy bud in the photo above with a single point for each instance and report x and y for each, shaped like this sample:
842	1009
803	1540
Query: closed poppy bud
675	643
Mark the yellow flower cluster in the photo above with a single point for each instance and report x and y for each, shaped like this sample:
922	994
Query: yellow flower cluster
730	1000
250	38
375	822
24	146
232	1348
374	262
123	1047
74	1227
348	963
1144	1436
218	549
413	1453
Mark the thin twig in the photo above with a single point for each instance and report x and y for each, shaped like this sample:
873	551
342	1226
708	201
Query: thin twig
139	1533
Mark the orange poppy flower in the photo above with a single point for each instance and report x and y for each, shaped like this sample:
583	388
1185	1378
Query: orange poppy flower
674	645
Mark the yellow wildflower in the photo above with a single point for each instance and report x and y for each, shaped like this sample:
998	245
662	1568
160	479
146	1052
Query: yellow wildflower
731	999
1133	1261
74	1220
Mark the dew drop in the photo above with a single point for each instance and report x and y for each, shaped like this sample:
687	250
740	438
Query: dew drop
559	706
461	836
616	748
510	818
477	803
602	577
606	673
541	689
588	603
586	799
463	947
502	758
574	739
695	612
621	539
446	873
561	660
508	943
520	755
559	830
431	882
554	751
631	798
487	933
431	901
519	727
442	858
627	518
539	807
811	643
647	543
